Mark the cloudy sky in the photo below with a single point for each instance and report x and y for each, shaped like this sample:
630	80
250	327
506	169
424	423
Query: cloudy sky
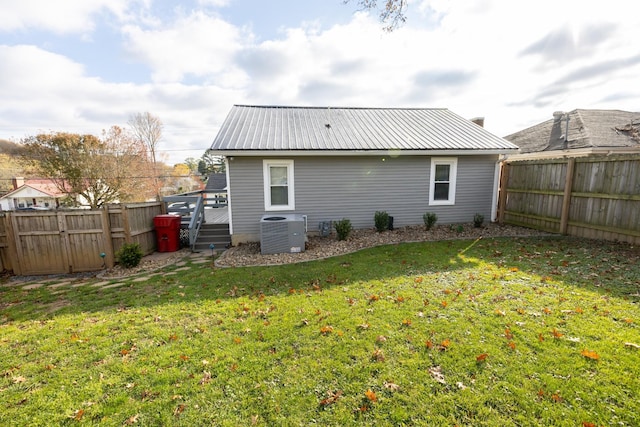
84	65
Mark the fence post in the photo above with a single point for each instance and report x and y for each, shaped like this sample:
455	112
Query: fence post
502	192
12	250
106	231
126	225
15	246
566	197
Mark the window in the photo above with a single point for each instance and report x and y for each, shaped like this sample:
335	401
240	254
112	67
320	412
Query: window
443	181
278	185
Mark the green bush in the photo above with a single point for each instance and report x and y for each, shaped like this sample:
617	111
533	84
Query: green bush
381	219
343	228
429	219
129	255
478	219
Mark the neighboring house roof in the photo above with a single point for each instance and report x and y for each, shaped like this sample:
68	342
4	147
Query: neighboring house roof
216	182
258	129
46	187
587	129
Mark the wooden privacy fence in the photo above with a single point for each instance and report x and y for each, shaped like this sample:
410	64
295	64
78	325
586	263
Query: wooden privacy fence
56	242
596	197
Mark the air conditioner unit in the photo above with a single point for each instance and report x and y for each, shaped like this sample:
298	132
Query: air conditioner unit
282	233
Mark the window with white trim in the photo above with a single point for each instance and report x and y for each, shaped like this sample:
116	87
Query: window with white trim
278	185
442	189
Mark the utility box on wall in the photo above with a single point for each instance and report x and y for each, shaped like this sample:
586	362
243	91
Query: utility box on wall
282	233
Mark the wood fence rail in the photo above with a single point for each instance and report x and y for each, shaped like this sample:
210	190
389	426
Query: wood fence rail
69	241
595	197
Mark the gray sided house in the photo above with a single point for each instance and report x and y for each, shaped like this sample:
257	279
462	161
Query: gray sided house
334	163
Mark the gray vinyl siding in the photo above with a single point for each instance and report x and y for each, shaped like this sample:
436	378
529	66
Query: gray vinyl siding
332	188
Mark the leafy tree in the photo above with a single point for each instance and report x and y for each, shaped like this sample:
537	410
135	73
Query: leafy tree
192	164
147	129
392	13
98	170
209	163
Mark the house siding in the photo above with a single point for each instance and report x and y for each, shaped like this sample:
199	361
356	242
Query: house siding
332	188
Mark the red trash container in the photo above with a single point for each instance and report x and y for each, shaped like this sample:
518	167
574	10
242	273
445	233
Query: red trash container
167	232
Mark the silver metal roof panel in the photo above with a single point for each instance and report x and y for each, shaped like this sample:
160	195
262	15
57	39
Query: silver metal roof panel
274	128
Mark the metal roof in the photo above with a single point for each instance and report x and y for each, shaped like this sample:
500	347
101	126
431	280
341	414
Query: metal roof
274	128
587	129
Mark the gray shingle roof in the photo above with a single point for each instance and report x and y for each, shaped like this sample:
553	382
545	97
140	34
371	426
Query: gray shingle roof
587	129
271	128
216	182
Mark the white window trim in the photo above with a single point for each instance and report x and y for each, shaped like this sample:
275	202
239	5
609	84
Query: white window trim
266	164
453	172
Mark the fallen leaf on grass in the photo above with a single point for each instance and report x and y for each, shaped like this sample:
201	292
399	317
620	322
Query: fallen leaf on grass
436	374
331	398
512	345
556	334
371	395
391	386
78	414
632	345
378	355
206	377
590	354
482	357
132	420
179	409
326	330
444	345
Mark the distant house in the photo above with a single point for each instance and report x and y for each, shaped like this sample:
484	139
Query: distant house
581	132
215	191
32	194
334	163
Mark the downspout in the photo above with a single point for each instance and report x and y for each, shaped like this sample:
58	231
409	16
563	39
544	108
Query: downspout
227	167
496	187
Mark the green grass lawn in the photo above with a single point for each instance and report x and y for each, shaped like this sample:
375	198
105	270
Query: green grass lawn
498	332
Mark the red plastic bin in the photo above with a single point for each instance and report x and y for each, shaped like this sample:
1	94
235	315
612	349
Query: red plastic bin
167	232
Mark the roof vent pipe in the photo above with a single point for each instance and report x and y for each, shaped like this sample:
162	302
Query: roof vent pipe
566	130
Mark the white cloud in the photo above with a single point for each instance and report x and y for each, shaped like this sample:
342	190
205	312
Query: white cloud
62	17
197	45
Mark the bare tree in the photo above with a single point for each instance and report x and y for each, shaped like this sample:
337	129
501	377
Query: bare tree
392	12
147	129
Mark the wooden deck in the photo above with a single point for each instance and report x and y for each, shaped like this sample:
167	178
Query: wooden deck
217	215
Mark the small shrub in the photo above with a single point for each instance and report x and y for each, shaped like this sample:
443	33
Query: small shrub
381	219
129	255
343	228
478	219
429	219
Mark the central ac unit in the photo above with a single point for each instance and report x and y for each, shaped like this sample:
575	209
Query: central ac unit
282	233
